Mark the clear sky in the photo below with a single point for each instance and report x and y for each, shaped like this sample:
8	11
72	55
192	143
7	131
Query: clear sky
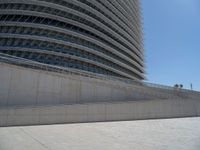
172	41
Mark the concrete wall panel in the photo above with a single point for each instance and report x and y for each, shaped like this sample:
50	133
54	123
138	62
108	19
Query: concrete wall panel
46	98
118	94
70	91
25	97
48	89
112	111
96	112
23	87
77	113
53	114
197	106
87	91
5	75
25	116
3	97
3	117
103	93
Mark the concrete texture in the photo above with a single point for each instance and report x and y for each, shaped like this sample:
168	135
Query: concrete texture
33	97
172	134
96	112
29	87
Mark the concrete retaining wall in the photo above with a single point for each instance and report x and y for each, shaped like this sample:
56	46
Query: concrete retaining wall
95	112
33	97
23	86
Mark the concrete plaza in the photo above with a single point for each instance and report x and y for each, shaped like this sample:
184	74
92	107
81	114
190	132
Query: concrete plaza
169	134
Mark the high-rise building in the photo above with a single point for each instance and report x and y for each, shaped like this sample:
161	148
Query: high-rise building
96	36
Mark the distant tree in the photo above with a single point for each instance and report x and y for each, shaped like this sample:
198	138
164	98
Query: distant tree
181	86
176	85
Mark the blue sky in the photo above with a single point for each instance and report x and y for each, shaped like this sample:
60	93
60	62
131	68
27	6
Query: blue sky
172	41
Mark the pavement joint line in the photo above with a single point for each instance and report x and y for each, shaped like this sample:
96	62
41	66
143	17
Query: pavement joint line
43	145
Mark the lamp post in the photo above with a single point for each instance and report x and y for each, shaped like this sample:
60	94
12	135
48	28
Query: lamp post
191	86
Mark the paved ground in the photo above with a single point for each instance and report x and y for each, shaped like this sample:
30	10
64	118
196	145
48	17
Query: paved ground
173	134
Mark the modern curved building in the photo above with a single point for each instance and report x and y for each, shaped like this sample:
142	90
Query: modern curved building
95	36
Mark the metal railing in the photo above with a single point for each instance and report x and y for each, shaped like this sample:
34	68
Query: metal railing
5	58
